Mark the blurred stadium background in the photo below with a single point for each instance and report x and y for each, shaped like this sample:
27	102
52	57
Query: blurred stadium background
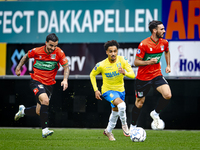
83	26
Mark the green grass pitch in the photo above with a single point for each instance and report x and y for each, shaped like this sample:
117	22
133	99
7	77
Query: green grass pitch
93	139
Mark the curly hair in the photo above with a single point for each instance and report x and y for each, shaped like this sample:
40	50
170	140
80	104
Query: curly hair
111	43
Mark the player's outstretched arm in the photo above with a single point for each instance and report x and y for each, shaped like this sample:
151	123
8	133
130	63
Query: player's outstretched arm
64	83
21	63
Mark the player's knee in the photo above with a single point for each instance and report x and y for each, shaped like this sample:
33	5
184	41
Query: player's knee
121	106
167	96
139	104
45	102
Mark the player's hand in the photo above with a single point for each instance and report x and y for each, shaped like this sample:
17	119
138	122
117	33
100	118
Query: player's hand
64	84
98	94
121	70
17	71
167	70
153	61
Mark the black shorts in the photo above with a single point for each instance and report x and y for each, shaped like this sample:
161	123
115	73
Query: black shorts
39	88
143	87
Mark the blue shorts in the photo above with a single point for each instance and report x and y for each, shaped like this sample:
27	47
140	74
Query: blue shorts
112	95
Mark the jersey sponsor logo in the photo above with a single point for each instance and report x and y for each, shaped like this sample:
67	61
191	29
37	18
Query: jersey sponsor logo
111	74
150	56
35	91
45	65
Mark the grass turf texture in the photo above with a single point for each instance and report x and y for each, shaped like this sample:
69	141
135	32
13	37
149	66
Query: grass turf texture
82	139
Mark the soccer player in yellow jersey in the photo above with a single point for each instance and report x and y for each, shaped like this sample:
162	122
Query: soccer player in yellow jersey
113	69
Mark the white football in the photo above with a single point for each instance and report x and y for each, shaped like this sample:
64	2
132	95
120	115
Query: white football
139	135
159	126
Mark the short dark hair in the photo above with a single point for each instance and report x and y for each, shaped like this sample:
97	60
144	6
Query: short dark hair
111	43
154	24
52	37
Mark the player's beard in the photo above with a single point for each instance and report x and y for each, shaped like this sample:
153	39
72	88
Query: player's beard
161	35
113	58
50	50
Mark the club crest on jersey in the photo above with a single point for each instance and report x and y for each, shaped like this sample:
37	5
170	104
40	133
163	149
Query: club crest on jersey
138	51
162	48
118	65
53	56
41	86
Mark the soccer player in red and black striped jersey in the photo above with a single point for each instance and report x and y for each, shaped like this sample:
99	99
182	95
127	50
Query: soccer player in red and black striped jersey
47	60
149	73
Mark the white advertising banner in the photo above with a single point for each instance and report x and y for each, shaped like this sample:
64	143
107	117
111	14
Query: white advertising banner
185	58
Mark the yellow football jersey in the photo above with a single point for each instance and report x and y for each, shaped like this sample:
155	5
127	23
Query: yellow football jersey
112	79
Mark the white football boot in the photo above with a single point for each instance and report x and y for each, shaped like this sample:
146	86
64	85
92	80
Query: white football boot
109	135
125	130
46	132
20	113
155	116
